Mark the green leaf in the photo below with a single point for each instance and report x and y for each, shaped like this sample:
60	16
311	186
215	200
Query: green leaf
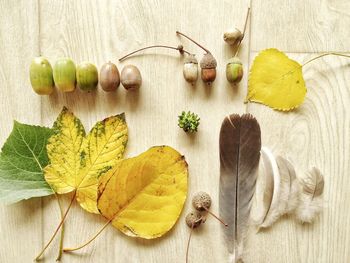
22	160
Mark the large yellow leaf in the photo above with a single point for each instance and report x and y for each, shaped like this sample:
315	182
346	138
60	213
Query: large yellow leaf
276	81
76	160
144	196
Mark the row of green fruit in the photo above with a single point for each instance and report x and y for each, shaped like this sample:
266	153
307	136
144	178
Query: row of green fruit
66	76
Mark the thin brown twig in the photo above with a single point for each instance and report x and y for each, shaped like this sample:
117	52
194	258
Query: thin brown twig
244	30
212	214
181	50
188	243
182	34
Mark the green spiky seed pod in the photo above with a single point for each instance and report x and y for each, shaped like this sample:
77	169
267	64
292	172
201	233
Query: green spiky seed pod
188	121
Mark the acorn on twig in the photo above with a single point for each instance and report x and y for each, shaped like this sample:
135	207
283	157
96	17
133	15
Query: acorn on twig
208	62
234	67
190	69
234	70
232	37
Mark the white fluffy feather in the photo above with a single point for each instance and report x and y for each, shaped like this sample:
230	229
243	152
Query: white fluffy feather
310	200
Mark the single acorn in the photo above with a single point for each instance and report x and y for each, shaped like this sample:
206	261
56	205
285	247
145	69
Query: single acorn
234	70
130	77
208	65
201	201
64	74
109	77
194	219
190	69
233	37
87	76
41	77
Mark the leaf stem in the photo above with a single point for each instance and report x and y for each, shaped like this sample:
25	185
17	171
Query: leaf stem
182	34
244	30
326	54
90	240
179	48
60	249
57	229
212	214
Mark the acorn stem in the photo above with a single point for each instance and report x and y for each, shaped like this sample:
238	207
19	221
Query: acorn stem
179	48
90	240
212	214
58	228
188	243
244	30
326	54
179	33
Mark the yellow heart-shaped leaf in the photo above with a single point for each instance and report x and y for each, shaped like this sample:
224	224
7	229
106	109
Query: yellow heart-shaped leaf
276	81
144	196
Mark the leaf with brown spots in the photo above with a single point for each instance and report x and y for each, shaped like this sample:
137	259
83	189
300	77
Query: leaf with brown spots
76	160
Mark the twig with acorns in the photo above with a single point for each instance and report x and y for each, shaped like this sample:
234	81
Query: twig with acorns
201	202
234	67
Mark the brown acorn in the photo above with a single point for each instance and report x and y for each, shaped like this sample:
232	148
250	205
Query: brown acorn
208	68
109	77
131	77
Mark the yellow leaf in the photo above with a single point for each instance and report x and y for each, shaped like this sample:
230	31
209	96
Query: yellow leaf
144	196
76	160
276	81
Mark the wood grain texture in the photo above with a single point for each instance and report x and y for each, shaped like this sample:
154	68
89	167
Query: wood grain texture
301	26
316	134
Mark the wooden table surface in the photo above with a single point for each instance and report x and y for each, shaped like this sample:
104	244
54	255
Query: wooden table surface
317	133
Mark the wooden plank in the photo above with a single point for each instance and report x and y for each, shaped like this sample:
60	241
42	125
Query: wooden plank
20	227
301	26
98	33
316	134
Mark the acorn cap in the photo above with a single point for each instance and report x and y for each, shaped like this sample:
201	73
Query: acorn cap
190	59
234	60
208	61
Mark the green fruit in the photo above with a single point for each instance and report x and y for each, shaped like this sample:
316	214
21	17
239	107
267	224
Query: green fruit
40	72
234	70
64	74
87	76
